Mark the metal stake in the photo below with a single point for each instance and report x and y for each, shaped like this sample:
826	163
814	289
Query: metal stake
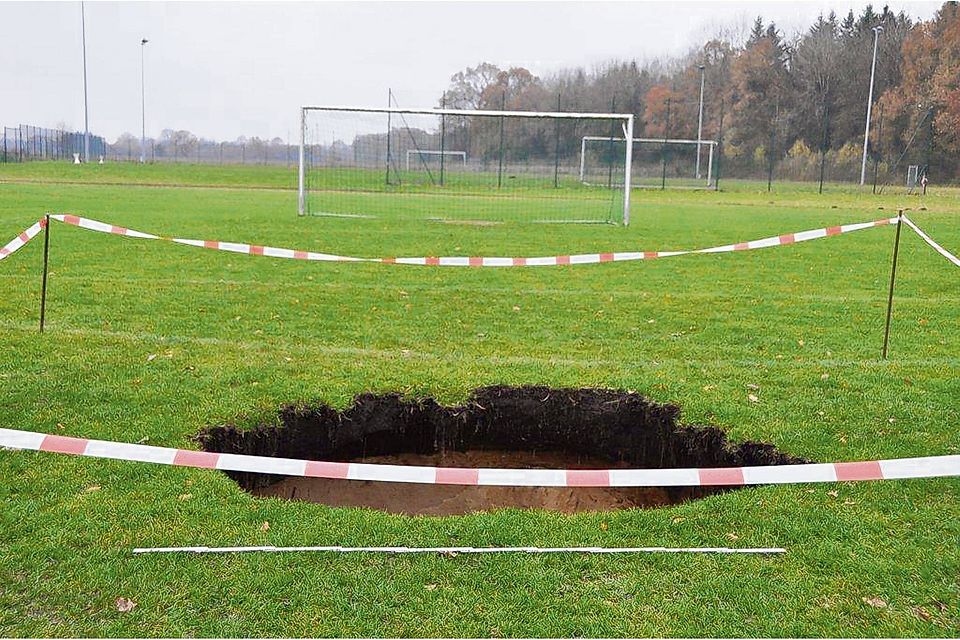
46	257
893	276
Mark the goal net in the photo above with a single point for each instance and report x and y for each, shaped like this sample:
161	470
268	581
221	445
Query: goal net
656	163
436	160
448	164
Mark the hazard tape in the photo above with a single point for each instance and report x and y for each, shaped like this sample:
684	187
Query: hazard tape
22	238
930	241
898	468
476	261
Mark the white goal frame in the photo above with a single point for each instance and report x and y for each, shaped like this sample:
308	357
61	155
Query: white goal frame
626	125
434	152
711	144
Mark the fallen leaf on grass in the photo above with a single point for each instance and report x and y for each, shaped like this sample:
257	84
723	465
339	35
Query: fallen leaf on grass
876	603
125	604
604	526
265	526
516	307
430	587
922	613
92	488
752	398
185	496
151	357
833	493
733	536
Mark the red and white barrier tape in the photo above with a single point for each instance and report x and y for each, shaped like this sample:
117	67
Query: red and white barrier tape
927	467
22	238
463	261
930	241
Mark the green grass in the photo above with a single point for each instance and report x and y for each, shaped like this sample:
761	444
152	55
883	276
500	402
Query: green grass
236	336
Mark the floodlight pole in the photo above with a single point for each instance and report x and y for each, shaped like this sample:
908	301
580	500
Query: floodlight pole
866	130
143	104
700	119
86	119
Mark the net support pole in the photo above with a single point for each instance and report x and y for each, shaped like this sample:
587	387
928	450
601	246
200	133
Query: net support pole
46	262
301	175
556	148
627	171
503	104
893	278
710	164
443	139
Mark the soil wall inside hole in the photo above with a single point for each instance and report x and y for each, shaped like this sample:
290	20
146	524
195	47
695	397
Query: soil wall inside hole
510	427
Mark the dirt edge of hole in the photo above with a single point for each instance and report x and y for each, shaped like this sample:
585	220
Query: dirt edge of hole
498	426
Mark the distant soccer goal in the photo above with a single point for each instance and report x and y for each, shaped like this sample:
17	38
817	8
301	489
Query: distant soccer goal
450	164
656	162
435	158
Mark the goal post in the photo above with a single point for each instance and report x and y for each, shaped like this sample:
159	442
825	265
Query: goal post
435	156
431	163
655	161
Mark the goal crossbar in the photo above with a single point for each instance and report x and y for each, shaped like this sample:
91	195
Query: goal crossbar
478	112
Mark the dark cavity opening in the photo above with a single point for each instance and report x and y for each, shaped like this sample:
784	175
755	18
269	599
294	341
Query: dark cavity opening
511	427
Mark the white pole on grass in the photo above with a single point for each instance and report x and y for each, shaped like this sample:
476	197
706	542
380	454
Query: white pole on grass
866	131
301	186
627	171
583	155
700	119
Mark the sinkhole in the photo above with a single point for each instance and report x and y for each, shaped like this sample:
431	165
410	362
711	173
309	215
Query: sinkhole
498	426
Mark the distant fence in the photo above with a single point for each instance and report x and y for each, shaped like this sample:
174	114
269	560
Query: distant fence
25	142
195	151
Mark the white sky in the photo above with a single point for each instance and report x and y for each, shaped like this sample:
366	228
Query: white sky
224	69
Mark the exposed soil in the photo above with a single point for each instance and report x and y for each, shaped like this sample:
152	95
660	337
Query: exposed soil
513	427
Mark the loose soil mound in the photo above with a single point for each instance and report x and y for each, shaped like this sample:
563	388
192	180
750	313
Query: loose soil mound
507	427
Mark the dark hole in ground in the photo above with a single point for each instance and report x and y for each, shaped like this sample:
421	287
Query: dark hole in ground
513	427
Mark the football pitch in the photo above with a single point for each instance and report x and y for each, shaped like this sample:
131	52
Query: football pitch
151	342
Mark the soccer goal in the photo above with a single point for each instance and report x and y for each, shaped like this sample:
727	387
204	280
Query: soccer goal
467	165
656	162
437	159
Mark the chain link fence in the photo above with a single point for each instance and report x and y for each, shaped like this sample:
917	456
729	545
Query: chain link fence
24	143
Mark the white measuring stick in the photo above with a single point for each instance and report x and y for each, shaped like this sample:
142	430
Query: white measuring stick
458	550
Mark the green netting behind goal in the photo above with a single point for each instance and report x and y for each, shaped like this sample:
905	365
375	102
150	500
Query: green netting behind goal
450	165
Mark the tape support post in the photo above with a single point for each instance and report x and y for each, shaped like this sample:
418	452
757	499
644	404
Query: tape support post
897	468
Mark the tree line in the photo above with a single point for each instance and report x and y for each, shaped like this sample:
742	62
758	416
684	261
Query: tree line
773	97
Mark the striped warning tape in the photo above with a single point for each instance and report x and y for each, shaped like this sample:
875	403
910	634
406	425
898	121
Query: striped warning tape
22	238
930	241
476	261
927	467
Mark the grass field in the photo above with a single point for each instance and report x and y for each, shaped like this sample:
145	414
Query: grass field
152	342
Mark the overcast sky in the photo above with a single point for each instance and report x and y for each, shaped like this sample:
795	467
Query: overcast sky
225	69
